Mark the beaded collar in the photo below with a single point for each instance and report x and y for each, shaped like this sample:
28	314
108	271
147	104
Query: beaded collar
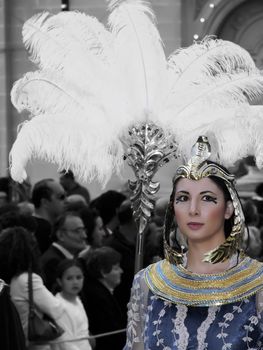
176	284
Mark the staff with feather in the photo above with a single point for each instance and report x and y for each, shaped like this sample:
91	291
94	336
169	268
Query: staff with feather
93	84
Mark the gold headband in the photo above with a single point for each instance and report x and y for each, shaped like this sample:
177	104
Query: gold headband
197	167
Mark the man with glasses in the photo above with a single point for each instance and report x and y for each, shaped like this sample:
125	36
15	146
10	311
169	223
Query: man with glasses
48	197
69	240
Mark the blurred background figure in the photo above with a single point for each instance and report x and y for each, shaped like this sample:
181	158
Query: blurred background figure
154	235
107	205
48	197
71	186
75	202
26	208
258	200
153	243
253	242
13	191
11	331
123	240
74	320
160	210
3	198
103	275
69	240
14	218
94	228
18	254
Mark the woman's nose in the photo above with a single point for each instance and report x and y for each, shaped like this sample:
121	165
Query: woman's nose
194	208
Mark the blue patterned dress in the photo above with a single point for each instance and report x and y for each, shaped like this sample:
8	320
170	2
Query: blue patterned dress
159	324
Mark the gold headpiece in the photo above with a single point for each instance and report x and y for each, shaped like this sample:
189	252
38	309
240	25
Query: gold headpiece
198	167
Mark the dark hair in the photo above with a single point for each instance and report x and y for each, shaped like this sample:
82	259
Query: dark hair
259	189
18	251
101	260
41	190
89	216
67	174
9	207
222	185
5	183
75	206
12	219
65	265
124	212
59	223
250	212
107	204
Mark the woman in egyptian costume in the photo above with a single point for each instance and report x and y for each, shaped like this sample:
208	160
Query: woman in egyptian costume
104	94
197	298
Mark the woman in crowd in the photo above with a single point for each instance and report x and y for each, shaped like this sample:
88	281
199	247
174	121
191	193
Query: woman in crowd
94	227
210	296
103	275
74	320
18	252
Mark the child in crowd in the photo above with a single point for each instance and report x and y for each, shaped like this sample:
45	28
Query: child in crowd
75	322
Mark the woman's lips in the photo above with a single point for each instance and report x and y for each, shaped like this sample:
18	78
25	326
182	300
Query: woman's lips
195	225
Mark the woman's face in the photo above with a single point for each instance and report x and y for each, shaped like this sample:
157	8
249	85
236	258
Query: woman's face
98	233
200	210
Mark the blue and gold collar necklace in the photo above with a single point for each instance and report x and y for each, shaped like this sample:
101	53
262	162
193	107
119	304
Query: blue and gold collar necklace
176	284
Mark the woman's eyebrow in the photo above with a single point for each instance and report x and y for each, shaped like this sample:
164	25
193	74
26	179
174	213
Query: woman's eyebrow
203	192
182	191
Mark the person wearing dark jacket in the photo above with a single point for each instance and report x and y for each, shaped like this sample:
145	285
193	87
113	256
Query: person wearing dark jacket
48	197
103	274
123	240
69	239
11	331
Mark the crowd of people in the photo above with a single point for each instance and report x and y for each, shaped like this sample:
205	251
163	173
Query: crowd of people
82	256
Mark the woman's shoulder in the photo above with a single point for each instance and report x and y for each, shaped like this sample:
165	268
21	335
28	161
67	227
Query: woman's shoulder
140	278
23	277
21	281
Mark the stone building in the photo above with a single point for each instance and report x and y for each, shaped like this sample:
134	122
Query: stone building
179	22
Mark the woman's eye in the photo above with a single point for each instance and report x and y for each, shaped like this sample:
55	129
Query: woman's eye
208	198
181	198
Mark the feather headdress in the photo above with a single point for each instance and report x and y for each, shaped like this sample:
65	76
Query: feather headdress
104	92
94	83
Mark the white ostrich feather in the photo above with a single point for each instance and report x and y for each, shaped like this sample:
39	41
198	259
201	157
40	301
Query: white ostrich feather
68	146
139	52
71	36
76	45
93	83
44	92
220	92
208	57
